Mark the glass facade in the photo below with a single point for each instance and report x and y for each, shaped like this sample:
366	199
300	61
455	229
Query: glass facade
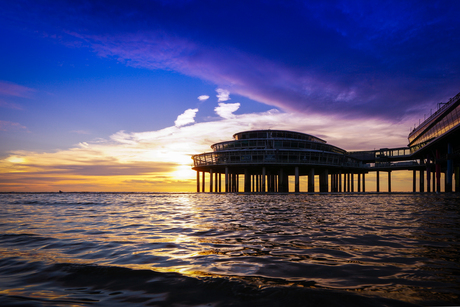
436	127
275	147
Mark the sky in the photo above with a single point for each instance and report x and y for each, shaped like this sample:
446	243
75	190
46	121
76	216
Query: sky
118	95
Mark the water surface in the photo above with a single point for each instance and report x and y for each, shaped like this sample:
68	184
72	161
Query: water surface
104	249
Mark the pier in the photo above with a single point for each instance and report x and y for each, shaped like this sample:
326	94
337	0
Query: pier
264	160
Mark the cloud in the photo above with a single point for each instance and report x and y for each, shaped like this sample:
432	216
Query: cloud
186	118
6	126
15	90
10	105
203	97
384	60
222	95
226	110
80	131
160	160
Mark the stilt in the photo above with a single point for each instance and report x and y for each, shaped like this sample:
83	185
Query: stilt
364	182
340	181
263	180
422	183
227	183
450	169
352	179
378	181
296	180
247	181
359	182
203	185
311	181
389	181
211	183
438	172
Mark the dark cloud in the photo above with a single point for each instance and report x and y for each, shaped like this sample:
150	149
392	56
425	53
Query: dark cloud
342	57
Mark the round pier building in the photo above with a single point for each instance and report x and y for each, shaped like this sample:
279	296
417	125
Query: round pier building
263	160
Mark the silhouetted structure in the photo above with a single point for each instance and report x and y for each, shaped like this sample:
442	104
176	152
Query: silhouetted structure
267	157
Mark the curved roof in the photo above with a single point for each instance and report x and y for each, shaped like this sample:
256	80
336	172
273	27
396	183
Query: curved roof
265	134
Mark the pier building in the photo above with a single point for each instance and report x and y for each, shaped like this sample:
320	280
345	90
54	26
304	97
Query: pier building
264	160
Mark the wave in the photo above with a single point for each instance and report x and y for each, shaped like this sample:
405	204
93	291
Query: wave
37	284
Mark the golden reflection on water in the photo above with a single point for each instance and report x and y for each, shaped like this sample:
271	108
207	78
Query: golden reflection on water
365	242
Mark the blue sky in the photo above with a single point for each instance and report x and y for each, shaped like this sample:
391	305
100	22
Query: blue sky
86	72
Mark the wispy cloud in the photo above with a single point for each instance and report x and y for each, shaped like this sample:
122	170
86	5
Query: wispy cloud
7	126
15	90
161	160
10	105
361	59
80	132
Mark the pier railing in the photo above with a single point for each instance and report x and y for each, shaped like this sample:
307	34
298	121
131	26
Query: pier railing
275	157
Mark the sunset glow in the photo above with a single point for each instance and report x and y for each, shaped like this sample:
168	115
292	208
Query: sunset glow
94	101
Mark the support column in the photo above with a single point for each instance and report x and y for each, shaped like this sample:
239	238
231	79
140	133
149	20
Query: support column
237	181
220	182
359	182
247	181
450	169
227	183
197	181
364	182
263	180
216	185
348	183
438	172
210	181
378	181
340	181
203	184
352	181
323	184
421	183
414	181
389	181
283	185
296	180
311	180
428	176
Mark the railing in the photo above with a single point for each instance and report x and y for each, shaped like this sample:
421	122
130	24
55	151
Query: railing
394	164
435	114
275	157
295	158
449	121
400	152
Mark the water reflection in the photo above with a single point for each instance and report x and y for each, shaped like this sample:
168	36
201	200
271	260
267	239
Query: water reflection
403	246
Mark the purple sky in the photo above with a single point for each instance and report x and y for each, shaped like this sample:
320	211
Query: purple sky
82	71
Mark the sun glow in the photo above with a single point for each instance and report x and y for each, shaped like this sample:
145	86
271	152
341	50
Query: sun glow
183	172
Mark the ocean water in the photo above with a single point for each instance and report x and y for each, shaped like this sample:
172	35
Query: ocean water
135	249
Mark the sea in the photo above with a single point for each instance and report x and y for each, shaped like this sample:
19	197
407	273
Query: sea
209	249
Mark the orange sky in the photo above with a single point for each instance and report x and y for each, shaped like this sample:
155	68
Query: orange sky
160	161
